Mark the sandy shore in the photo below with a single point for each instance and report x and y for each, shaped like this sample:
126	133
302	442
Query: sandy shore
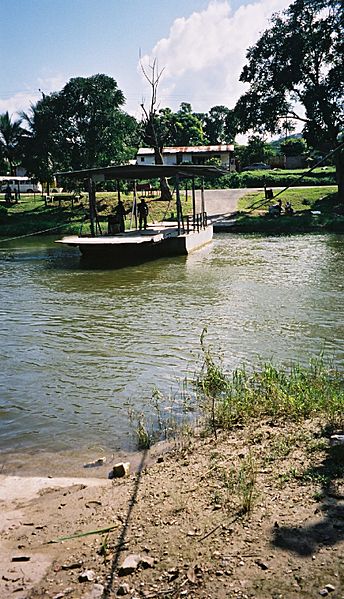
183	519
28	503
18	496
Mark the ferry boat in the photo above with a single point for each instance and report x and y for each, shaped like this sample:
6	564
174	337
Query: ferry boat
168	238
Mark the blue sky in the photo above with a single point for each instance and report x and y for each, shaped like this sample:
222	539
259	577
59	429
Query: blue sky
200	43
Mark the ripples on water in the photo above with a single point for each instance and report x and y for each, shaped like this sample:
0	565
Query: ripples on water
77	344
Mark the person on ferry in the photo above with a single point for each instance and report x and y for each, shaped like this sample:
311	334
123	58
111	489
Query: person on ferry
119	215
142	209
8	194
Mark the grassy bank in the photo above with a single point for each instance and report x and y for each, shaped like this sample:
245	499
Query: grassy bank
30	215
315	209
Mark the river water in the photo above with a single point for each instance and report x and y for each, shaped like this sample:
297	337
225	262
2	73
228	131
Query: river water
77	344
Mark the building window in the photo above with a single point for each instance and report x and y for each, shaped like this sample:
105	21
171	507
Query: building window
142	158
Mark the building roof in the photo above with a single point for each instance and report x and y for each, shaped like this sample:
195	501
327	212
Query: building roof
188	149
135	171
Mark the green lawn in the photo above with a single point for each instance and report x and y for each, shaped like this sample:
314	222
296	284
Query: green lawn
30	215
320	170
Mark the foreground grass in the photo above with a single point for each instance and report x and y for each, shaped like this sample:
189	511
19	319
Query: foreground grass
32	216
314	209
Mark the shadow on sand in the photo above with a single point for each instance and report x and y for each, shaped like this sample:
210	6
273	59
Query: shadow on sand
122	539
306	540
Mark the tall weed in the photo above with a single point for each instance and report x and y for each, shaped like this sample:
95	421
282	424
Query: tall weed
293	392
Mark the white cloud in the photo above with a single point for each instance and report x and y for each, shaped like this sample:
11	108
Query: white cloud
18	102
202	58
204	54
22	100
52	83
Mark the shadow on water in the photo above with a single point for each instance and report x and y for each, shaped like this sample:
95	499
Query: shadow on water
63	275
87	264
307	540
60	259
38	249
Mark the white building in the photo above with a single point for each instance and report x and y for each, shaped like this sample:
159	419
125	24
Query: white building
191	155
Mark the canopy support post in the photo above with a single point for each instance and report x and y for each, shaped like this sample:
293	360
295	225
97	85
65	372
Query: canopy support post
94	221
134	210
193	204
178	206
91	204
203	223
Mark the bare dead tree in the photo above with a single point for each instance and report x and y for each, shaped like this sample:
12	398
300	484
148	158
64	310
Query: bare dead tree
149	121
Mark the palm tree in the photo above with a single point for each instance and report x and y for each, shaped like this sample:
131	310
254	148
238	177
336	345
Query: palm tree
10	134
37	140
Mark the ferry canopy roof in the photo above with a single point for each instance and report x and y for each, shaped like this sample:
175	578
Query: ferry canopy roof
138	171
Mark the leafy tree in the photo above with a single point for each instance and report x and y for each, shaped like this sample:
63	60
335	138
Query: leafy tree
10	136
220	125
256	150
181	128
293	147
298	64
42	151
96	130
188	127
79	127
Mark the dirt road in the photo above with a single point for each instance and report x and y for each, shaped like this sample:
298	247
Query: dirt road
220	202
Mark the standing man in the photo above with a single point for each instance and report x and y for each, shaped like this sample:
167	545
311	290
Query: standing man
119	215
142	209
8	194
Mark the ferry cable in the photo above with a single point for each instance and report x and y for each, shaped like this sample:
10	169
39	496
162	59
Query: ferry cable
37	232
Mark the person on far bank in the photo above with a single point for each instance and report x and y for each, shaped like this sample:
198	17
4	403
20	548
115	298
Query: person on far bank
289	209
142	209
276	209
